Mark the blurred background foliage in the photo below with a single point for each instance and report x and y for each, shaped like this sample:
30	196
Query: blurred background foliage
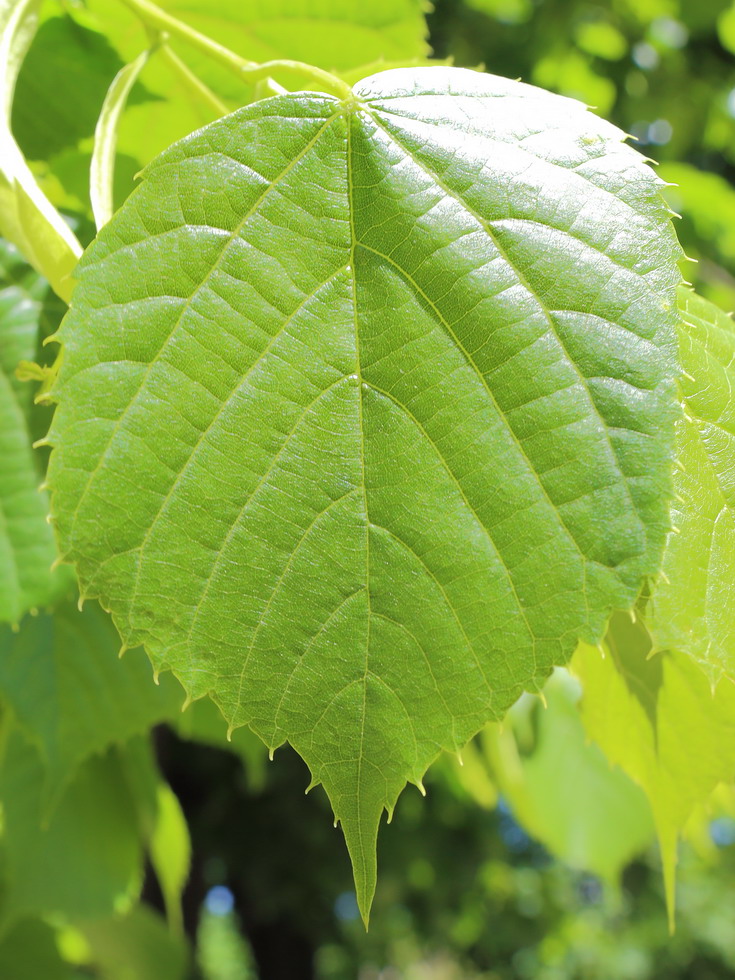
533	859
662	70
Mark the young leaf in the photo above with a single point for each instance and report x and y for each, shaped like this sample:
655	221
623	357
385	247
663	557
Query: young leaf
71	693
137	946
659	720
170	853
366	414
563	790
691	607
102	169
27	547
27	218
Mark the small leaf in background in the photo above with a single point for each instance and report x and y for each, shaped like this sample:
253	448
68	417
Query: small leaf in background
137	946
27	548
659	719
170	852
102	168
453	361
691	605
70	692
27	217
87	858
562	789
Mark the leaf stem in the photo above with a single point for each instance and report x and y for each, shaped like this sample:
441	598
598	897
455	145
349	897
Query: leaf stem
158	19
193	83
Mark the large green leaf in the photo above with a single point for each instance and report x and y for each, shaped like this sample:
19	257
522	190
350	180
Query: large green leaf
691	609
27	547
659	719
71	693
366	414
86	860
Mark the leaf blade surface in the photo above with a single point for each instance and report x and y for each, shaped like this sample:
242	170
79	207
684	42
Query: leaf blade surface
298	464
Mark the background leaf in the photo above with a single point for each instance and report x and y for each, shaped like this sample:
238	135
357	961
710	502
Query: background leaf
62	677
658	718
562	789
87	858
691	608
27	547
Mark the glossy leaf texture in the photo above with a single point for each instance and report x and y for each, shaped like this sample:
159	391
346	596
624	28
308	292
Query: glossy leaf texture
366	414
659	719
691	607
27	547
61	676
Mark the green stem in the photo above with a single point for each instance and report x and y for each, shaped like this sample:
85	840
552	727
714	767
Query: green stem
193	83
325	80
153	17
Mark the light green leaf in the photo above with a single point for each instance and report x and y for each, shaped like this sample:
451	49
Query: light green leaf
27	547
562	789
659	719
62	677
137	946
170	853
366	414
726	28
27	218
87	859
691	607
102	169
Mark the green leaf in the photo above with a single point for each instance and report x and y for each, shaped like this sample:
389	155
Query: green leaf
61	86
28	951
73	696
87	859
137	946
170	853
27	547
27	218
691	606
333	34
366	414
658	718
562	789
